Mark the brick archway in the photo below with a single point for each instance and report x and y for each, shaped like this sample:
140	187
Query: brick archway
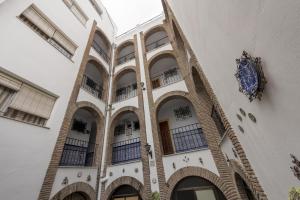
162	54
121	46
125	180
118	75
84	188
114	119
199	172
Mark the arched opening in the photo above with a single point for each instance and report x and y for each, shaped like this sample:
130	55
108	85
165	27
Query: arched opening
125	85
80	144
125	53
126	144
204	97
196	188
156	38
102	45
164	71
125	192
77	196
243	188
95	79
179	128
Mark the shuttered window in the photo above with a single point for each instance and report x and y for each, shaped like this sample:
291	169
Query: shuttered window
33	101
46	29
77	11
22	102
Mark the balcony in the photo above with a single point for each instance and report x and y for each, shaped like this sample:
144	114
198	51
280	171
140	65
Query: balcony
101	52
92	87
77	153
126	58
126	151
156	44
126	92
166	78
187	138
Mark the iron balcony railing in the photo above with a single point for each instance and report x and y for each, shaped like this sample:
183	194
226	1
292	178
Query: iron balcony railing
166	78
93	88
125	58
158	43
77	153
127	150
101	52
188	137
126	92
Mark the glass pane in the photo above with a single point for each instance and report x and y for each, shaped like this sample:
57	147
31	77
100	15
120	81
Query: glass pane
207	194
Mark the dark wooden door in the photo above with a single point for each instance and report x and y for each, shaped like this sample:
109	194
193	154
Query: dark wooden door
166	137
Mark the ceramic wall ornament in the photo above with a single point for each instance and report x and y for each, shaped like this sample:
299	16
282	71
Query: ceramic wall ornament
250	76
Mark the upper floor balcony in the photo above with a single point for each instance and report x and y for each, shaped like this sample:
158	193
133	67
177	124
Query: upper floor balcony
102	46
80	147
126	145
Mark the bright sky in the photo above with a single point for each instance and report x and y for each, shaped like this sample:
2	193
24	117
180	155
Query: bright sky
128	13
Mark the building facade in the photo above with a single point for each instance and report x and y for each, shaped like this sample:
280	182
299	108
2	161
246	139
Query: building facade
153	113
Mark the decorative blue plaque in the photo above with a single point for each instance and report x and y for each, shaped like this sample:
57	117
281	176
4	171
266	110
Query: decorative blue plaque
250	76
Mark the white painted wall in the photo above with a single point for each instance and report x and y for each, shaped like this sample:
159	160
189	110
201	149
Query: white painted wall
25	150
178	86
86	96
74	174
218	32
125	169
134	102
189	159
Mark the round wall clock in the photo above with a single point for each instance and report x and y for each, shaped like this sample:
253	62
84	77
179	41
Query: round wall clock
250	76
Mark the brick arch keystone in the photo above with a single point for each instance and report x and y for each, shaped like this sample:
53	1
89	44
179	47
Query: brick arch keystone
125	180
199	172
81	187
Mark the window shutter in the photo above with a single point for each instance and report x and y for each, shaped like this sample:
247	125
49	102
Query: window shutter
66	43
32	15
68	3
33	101
78	13
9	82
6	96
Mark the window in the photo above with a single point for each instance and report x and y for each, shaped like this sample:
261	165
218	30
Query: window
22	102
182	113
77	11
96	7
47	30
79	126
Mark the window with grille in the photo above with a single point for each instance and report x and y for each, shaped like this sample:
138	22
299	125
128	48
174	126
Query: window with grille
48	31
76	10
23	102
183	113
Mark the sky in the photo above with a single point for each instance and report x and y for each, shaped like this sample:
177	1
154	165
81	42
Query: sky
128	13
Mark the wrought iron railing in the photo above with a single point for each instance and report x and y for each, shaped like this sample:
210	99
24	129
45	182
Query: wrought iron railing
157	43
77	153
166	78
126	92
188	138
101	52
125	58
127	150
93	88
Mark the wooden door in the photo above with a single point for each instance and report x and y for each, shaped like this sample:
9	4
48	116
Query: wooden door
166	137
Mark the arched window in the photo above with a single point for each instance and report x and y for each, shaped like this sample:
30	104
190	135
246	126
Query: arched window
95	79
102	46
125	53
77	196
243	188
164	71
125	192
125	85
196	188
155	39
126	144
179	128
80	144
